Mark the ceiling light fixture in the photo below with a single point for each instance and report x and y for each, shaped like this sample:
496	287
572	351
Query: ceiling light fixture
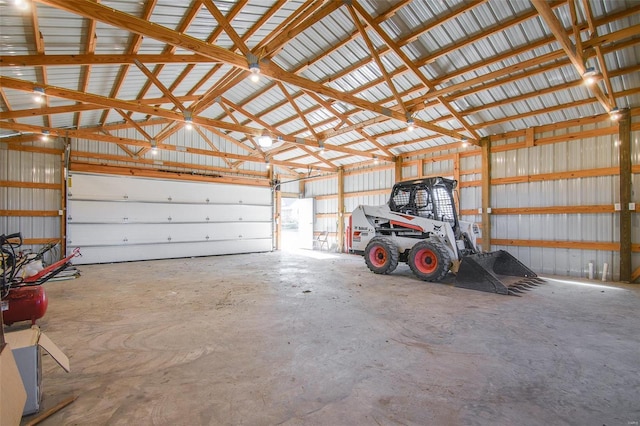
375	160
614	114
410	125
38	94
188	120
154	147
268	162
465	142
21	4
265	140
589	76
255	72
254	67
45	136
321	145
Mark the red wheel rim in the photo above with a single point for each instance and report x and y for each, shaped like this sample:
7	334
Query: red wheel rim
378	256
426	261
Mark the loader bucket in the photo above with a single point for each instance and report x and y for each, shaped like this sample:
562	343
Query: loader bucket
495	272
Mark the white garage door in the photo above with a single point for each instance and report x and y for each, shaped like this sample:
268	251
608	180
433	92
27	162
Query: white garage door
117	218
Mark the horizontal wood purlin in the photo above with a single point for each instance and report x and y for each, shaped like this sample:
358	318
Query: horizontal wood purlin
34	185
355	194
578	245
156	173
39	241
326	215
605	171
29	213
606	208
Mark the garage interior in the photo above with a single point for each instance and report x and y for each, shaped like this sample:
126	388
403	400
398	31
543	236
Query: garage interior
166	141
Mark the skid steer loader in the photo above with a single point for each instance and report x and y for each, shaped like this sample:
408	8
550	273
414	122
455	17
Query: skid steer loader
419	225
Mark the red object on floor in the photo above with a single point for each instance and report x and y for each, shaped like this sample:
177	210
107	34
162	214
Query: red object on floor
27	303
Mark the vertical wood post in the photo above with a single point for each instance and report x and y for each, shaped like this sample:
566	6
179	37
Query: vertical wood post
624	135
398	169
485	144
278	217
63	207
340	236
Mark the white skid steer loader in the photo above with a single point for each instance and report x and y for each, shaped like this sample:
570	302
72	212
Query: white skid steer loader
419	225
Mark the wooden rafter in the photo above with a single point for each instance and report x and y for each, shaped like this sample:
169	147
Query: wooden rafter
132	50
140	26
89	49
99	59
295	26
213	145
309	126
416	71
358	128
159	85
593	32
576	58
376	57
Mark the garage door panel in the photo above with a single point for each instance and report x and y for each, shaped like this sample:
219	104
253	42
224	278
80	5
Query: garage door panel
117	188
90	235
170	250
83	211
124	218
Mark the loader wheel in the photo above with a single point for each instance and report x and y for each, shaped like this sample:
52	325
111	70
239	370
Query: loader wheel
429	260
381	255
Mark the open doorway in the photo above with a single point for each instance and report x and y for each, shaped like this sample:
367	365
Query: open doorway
297	223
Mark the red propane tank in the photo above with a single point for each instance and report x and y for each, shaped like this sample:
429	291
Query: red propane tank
27	303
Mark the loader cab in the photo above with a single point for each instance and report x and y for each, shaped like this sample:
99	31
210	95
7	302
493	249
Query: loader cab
431	198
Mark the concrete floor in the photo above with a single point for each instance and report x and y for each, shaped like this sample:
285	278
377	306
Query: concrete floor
316	339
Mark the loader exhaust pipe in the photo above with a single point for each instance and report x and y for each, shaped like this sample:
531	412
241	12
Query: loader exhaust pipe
495	272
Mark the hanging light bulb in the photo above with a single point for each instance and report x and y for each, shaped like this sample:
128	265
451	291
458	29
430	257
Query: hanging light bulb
465	142
375	160
21	4
264	140
410	125
154	147
255	72
589	76
614	114
45	136
188	120
38	94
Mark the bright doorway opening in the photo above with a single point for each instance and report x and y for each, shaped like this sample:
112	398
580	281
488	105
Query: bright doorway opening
297	223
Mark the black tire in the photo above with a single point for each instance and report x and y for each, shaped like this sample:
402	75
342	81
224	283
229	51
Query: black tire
429	260
381	255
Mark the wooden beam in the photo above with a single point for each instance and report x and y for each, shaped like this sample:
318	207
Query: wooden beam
143	27
82	156
374	53
341	230
101	59
30	185
151	76
576	58
416	71
29	213
485	144
577	245
398	169
164	174
624	138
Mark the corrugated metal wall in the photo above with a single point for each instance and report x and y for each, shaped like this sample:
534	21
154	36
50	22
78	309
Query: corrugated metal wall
18	167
